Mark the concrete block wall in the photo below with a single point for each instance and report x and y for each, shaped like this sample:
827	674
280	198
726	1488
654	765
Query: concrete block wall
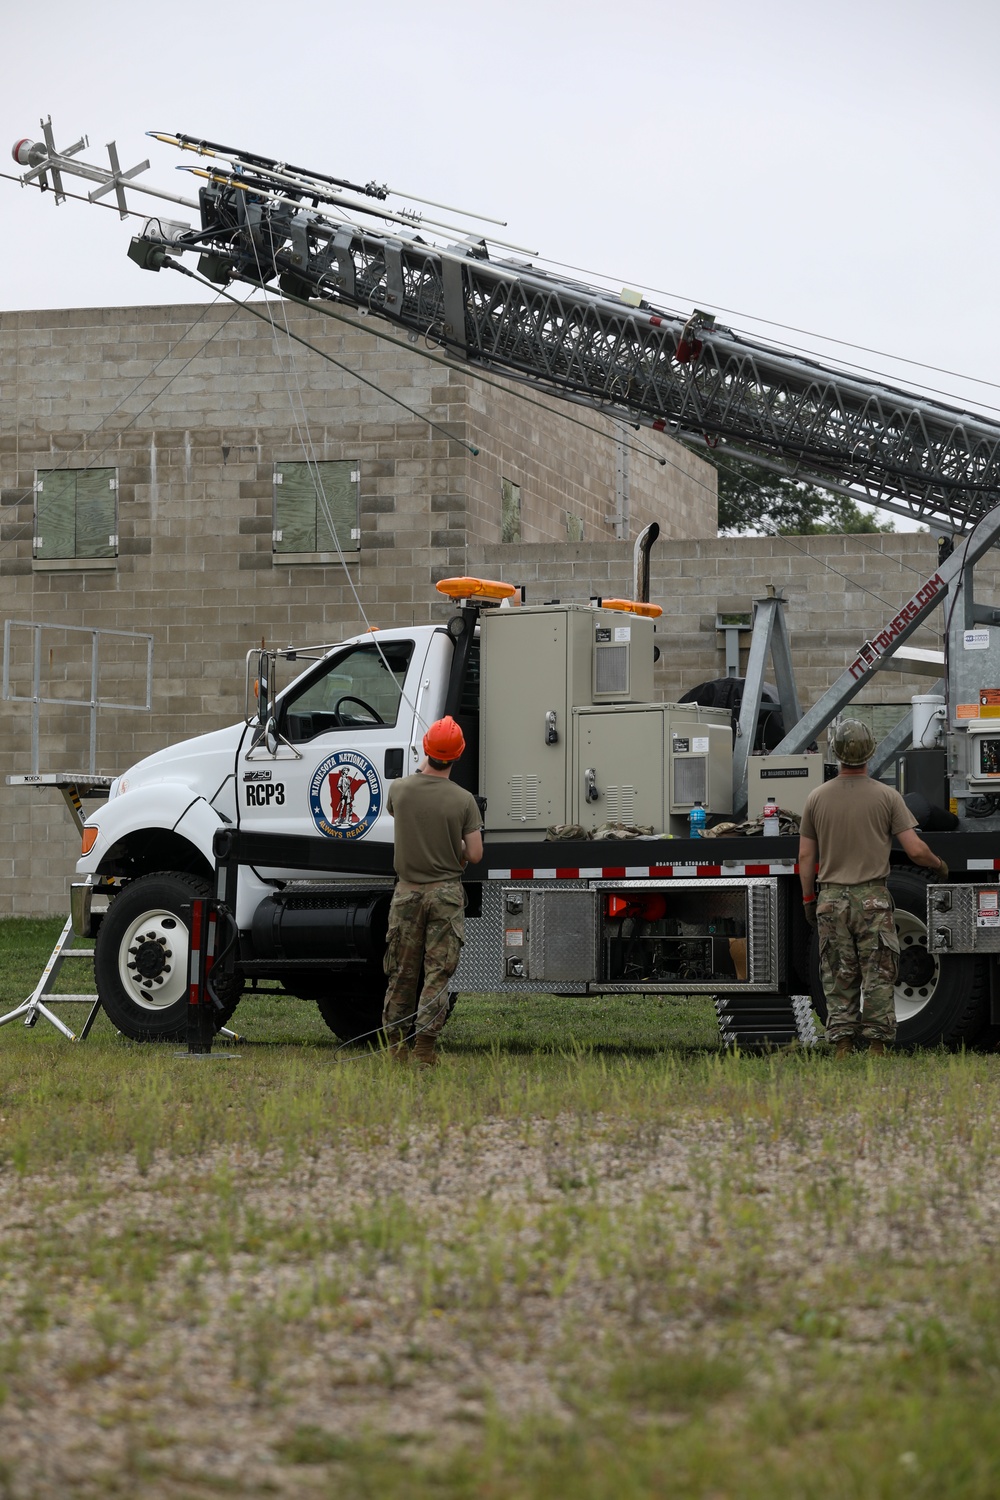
564	458
839	591
193	407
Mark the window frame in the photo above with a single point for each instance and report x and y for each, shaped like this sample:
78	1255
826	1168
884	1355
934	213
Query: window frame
350	548
321	713
107	556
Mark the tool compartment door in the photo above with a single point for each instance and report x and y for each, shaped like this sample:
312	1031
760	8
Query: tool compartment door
619	754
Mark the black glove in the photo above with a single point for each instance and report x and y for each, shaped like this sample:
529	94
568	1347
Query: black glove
941	873
809	912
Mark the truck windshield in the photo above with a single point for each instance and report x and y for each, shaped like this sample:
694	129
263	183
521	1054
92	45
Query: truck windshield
360	688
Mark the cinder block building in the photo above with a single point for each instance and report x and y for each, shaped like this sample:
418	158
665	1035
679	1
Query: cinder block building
191	482
179	484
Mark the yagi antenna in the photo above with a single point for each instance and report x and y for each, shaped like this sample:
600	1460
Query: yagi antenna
249	172
46	164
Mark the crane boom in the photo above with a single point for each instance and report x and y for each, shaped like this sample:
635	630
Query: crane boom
264	222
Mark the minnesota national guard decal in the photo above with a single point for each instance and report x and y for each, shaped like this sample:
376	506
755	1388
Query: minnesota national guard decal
345	795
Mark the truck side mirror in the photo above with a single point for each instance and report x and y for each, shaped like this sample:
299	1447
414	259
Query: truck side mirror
263	689
260	686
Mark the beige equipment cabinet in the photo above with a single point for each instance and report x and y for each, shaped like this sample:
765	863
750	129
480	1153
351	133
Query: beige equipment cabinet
621	762
787	778
701	770
538	664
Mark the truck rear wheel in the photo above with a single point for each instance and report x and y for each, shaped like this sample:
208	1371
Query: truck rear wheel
141	959
939	1002
354	1011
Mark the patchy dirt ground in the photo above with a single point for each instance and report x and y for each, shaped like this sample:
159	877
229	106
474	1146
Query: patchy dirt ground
243	1324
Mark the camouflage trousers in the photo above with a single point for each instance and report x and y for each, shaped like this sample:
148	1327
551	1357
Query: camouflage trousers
858	953
426	930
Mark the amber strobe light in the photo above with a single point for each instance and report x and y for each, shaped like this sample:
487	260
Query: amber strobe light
475	588
633	607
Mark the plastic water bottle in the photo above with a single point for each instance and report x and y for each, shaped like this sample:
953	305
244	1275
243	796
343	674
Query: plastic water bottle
696	820
771	826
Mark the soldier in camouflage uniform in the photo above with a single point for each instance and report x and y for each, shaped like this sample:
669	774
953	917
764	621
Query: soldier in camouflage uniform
847	830
436	833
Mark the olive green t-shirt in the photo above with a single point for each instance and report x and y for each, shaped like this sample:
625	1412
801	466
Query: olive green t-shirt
432	816
854	820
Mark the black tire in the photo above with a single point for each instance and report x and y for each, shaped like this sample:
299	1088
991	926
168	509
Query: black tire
939	1002
352	1007
141	959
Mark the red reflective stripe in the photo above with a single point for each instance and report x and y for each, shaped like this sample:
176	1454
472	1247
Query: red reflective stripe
210	943
193	964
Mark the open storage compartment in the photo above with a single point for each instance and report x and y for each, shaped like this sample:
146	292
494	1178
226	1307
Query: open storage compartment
706	938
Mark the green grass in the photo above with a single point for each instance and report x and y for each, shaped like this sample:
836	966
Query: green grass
591	1254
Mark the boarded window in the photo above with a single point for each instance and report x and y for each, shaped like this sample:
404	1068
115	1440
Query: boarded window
881	718
510	511
76	513
316	506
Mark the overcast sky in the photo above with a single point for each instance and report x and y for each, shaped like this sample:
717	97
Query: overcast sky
829	169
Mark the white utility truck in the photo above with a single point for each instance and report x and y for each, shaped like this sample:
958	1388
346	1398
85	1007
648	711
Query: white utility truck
285	813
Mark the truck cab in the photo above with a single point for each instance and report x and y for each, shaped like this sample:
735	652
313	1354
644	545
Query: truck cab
313	766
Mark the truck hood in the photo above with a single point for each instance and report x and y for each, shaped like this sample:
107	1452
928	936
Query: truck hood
202	763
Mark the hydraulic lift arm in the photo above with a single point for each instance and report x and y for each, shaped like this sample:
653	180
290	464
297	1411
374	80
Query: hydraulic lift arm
266	222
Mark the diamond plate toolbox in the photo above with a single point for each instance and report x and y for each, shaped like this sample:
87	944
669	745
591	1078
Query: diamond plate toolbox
963	918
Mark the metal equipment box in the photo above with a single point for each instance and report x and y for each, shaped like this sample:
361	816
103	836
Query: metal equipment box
787	778
621	762
627	936
550	934
983	739
963	918
636	763
658	934
538	664
701	768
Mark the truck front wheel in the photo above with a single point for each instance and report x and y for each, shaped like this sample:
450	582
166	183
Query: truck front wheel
939	1001
141	959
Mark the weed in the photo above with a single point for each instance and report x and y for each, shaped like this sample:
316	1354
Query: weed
679	1380
312	1445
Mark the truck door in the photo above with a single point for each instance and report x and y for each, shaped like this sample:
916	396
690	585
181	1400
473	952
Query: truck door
348	727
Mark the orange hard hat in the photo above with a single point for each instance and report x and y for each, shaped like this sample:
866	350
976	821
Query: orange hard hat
444	740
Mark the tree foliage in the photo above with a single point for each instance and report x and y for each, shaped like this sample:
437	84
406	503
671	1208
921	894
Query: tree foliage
753	499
